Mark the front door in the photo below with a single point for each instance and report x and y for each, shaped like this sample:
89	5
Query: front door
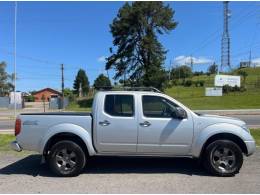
160	132
117	124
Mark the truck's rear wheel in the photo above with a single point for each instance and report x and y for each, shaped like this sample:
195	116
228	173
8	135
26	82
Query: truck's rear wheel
66	158
223	158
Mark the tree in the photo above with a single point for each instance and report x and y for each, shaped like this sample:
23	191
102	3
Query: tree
81	80
68	92
213	69
243	74
102	81
181	72
5	80
139	55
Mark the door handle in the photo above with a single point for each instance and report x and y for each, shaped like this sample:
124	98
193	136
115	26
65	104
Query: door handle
145	124
104	123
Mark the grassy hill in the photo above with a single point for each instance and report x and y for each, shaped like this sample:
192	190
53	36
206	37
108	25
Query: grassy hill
194	97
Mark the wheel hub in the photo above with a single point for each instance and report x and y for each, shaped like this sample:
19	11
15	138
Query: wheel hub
223	159
65	159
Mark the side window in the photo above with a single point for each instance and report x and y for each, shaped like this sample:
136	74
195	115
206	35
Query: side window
119	105
158	107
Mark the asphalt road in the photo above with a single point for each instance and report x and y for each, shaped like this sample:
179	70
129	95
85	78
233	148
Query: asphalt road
6	124
253	121
126	175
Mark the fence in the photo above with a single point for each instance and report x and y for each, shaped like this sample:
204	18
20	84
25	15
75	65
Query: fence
4	102
56	103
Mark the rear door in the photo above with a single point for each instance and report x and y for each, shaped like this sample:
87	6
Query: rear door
117	124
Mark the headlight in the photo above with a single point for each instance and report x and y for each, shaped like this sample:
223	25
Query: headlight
245	128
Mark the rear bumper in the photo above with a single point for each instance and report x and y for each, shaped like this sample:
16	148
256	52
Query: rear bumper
15	146
251	147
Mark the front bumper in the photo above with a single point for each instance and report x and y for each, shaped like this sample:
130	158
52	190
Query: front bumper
251	147
15	146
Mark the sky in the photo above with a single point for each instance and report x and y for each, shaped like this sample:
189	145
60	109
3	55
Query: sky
77	34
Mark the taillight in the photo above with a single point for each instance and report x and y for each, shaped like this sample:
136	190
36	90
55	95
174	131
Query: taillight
17	128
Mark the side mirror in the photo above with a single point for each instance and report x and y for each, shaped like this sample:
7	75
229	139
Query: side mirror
180	113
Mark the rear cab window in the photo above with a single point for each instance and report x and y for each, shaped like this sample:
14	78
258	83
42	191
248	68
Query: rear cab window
119	105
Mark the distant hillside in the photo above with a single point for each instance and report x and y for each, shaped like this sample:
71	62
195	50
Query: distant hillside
253	75
194	97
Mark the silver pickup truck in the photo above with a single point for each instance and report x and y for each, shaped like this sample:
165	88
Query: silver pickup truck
134	123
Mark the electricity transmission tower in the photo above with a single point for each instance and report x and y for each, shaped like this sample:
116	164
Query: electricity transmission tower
225	42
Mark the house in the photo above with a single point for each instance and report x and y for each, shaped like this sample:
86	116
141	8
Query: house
47	94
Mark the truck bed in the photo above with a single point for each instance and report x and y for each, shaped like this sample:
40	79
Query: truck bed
36	126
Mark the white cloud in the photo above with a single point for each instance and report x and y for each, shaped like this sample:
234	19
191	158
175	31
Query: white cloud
182	60
102	59
256	61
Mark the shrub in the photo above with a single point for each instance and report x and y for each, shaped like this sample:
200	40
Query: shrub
29	98
227	89
243	89
201	83
236	88
188	83
196	83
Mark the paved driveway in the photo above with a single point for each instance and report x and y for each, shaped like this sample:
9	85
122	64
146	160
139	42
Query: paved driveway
126	175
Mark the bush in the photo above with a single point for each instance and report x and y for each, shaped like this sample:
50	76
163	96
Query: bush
236	88
227	89
188	83
29	98
199	83
243	89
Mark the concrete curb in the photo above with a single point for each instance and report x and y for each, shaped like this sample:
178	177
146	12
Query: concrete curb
7	131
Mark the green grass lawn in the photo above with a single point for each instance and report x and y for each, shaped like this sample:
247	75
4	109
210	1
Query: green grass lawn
256	135
194	98
5	140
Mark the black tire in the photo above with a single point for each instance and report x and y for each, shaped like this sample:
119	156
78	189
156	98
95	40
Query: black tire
66	159
223	158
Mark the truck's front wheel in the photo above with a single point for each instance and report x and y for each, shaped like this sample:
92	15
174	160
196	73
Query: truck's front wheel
223	158
66	158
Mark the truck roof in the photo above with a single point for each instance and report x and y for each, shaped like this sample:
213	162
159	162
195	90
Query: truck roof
128	92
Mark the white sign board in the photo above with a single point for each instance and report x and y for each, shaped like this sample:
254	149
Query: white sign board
17	98
213	91
221	80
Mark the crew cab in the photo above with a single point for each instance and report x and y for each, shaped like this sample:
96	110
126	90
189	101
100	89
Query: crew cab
134	123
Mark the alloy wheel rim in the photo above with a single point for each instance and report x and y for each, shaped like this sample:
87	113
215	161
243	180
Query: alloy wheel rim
66	159
223	159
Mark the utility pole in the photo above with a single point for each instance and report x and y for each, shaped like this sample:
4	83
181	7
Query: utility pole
15	18
191	63
80	90
62	86
107	74
170	70
250	58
